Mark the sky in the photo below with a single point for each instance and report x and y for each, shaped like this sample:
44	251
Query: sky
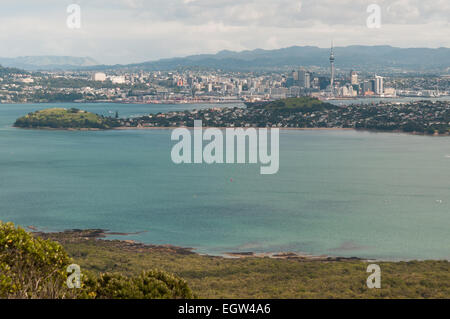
128	31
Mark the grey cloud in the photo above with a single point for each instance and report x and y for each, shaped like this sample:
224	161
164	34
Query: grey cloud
122	31
287	13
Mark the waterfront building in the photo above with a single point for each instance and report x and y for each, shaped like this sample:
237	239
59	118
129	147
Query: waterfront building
366	87
379	85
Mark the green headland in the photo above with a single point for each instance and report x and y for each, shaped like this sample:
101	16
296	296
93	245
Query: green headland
60	118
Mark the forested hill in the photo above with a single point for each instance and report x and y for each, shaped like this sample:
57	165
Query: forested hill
358	57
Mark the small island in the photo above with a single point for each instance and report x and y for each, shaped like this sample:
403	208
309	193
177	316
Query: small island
60	118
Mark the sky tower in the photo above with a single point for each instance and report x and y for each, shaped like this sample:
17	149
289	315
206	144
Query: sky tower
332	67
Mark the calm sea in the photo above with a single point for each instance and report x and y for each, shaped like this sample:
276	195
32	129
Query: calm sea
344	193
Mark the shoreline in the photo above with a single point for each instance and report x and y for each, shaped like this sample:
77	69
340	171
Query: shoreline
100	237
127	103
123	128
169	102
255	276
144	128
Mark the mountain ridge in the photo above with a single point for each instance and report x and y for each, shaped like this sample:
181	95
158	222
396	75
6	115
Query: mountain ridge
354	56
360	57
47	62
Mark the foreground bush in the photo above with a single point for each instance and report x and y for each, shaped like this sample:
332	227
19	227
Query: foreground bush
31	267
149	285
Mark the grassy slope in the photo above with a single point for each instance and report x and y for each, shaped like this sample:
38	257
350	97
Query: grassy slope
62	118
215	277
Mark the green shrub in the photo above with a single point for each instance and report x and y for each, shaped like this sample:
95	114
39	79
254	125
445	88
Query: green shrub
30	267
154	284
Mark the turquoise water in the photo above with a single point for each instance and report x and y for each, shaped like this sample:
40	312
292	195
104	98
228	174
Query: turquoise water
345	193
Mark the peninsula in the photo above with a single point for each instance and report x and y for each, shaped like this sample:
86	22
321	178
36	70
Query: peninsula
421	117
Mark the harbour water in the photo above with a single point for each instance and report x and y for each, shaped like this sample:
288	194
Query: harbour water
343	193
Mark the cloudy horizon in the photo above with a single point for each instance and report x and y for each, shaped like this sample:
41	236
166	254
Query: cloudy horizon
130	31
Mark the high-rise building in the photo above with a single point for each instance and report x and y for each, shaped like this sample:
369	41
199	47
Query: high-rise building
289	81
307	80
354	78
304	79
300	78
379	85
366	87
324	82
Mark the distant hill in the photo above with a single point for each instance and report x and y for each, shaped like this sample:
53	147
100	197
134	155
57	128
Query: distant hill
8	71
33	63
362	58
358	57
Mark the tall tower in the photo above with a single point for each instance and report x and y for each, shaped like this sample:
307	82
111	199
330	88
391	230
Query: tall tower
332	67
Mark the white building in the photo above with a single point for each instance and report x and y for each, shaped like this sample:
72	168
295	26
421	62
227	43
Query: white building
27	80
347	91
354	77
99	76
379	85
117	79
390	92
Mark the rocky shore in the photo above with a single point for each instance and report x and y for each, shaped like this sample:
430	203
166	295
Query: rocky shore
100	236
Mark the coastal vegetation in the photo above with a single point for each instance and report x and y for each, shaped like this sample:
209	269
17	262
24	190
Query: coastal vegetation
35	268
60	118
30	267
287	276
